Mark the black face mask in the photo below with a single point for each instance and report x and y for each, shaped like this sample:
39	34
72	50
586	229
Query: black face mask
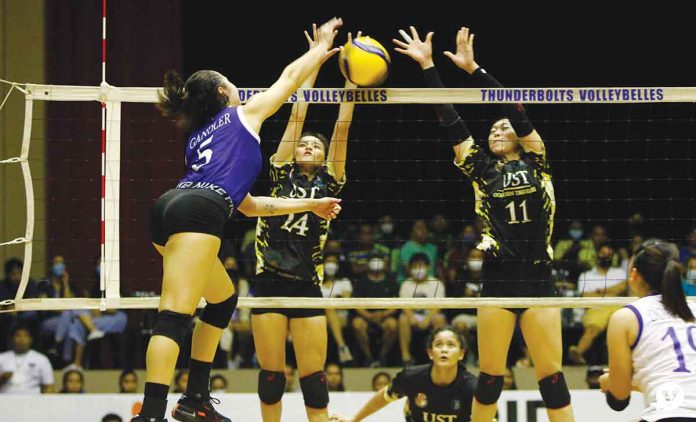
604	262
234	274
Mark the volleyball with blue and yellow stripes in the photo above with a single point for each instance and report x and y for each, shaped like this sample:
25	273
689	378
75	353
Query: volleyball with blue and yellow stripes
364	61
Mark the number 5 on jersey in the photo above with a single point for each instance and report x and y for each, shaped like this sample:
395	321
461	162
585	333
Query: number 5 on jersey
300	226
203	154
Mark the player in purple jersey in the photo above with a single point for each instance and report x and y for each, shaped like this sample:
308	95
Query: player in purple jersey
223	159
515	198
290	262
652	341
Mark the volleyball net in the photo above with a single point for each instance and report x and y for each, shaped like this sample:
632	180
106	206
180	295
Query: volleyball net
623	159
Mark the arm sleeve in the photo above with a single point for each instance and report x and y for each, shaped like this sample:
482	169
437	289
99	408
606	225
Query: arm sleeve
397	388
455	128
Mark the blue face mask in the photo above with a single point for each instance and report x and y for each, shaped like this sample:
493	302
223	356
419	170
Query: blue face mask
58	270
575	234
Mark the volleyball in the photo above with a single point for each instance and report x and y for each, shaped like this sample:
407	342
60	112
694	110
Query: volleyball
364	61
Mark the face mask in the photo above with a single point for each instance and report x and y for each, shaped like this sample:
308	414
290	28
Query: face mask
375	265
604	262
58	270
387	228
691	276
419	273
220	391
233	274
475	264
330	268
575	234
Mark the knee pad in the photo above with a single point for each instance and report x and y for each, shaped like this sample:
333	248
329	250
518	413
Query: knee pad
554	391
488	388
271	386
314	390
172	325
219	314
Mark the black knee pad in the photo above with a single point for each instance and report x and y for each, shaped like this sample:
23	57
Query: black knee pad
314	390
172	325
554	391
488	388
271	386
219	314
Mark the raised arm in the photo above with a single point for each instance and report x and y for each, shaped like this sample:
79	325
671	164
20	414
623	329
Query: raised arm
264	104
338	149
267	206
463	58
422	53
297	115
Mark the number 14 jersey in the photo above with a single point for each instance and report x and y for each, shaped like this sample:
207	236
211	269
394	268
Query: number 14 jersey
291	245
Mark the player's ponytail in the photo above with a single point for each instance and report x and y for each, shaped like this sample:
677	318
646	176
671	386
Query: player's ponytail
171	97
673	296
195	103
657	263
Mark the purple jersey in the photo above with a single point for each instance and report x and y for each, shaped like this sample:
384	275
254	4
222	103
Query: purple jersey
224	157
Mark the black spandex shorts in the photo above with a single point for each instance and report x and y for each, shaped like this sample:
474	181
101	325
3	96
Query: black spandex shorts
268	284
188	210
517	279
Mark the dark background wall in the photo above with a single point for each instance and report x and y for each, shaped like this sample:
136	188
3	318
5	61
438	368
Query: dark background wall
608	161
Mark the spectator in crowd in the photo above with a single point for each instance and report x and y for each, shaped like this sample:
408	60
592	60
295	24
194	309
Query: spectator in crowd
111	417
181	381
290	373
387	234
440	234
574	255
334	377
8	290
380	380
73	382
602	281
626	253
455	259
93	325
592	376
689	283
336	286
218	384
358	257
600	237
689	249
377	282
509	379
335	247
128	382
417	244
23	370
419	284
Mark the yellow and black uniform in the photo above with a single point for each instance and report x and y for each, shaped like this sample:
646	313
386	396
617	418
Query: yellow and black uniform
429	402
517	204
289	260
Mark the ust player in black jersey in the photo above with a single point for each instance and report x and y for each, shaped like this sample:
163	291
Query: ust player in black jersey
223	158
290	263
440	391
514	197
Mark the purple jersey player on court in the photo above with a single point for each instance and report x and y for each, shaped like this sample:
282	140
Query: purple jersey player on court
223	158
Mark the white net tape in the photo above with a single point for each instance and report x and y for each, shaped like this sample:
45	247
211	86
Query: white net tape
114	96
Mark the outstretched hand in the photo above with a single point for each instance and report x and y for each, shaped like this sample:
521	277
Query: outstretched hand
324	36
464	56
327	208
413	47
